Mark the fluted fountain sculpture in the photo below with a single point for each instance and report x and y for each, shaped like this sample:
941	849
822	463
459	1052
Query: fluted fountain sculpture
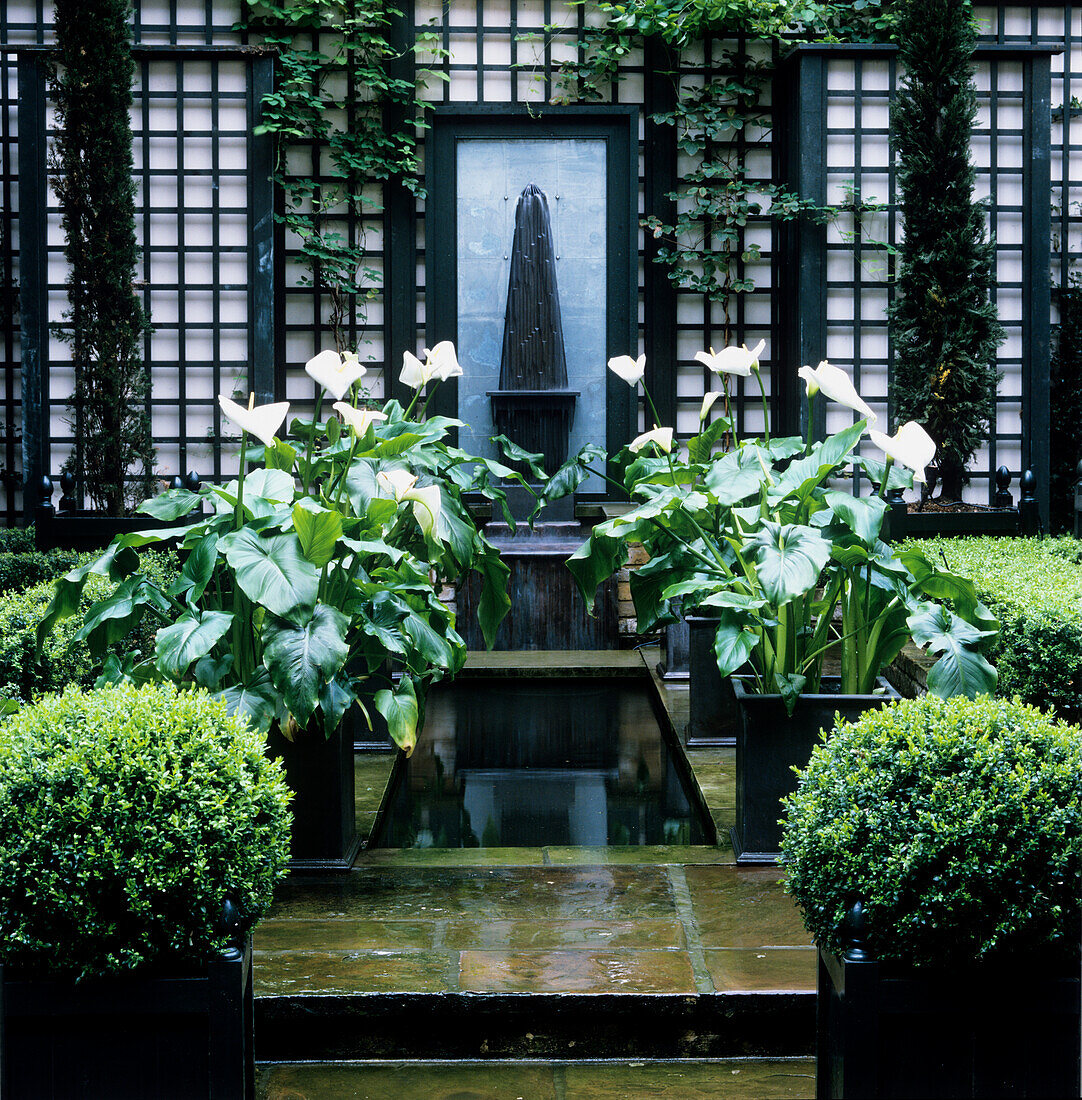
533	406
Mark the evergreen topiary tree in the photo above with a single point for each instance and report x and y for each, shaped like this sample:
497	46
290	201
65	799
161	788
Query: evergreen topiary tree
1065	443
946	332
92	165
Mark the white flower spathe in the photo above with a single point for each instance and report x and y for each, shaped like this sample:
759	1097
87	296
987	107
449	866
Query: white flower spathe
443	361
708	404
262	421
630	370
739	361
360	420
397	482
661	437
335	373
911	446
440	363
415	374
427	503
836	385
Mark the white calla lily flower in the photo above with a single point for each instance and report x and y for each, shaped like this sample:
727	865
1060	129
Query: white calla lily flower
335	373
661	437
415	373
735	360
360	420
836	385
443	361
262	421
427	504
397	482
708	404
630	370
911	446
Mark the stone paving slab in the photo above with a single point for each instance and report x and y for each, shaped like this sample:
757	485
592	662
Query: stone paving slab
721	1079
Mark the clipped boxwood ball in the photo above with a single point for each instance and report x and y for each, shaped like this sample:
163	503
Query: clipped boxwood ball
957	822
127	817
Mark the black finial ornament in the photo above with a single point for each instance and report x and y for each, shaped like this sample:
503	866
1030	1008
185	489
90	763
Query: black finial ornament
533	406
855	933
68	503
192	482
1029	511
177	482
1003	498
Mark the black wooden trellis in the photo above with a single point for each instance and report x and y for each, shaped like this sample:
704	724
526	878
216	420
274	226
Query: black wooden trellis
801	160
504	55
259	327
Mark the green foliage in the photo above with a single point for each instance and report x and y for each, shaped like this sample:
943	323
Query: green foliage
91	80
789	566
943	319
306	574
1034	586
22	569
1066	401
720	124
336	91
959	825
16	540
127	817
26	673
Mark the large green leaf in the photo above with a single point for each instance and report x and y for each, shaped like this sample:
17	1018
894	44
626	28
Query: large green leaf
701	446
273	573
256	700
961	670
790	558
303	659
116	563
595	561
198	569
172	504
862	515
192	636
495	602
115	617
734	642
735	476
318	530
399	707
273	485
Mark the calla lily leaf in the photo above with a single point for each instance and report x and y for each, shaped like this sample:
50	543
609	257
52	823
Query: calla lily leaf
192	636
790	559
400	709
273	572
303	658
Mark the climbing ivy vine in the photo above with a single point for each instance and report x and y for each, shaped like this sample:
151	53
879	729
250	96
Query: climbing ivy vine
345	123
721	122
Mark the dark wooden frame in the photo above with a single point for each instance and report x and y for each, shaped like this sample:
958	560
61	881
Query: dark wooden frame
616	125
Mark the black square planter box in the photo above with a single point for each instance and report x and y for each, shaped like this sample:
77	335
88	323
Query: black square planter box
769	744
130	1036
885	1032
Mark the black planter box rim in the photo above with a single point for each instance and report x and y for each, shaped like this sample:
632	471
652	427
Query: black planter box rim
747	697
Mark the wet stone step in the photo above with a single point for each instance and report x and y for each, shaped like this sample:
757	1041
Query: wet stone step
728	1079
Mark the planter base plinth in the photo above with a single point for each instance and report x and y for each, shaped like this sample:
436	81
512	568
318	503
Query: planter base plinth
328	864
751	859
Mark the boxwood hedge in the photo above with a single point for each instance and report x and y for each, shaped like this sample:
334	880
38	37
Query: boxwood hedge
957	822
25	674
127	817
1034	587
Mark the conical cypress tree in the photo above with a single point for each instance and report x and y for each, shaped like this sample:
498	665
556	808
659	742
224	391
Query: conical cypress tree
92	163
946	332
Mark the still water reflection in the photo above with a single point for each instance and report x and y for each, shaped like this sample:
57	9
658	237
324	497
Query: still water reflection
508	763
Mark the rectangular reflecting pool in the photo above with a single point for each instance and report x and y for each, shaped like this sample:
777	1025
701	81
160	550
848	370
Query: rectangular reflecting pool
520	762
